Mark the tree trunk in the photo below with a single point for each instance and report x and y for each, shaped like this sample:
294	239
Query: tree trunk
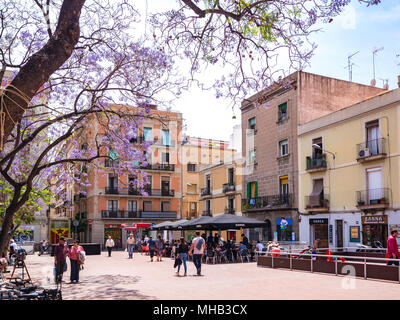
41	65
6	227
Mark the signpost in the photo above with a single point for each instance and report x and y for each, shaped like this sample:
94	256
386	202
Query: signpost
75	223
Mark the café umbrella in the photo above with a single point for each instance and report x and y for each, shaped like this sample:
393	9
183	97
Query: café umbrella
175	225
224	222
161	225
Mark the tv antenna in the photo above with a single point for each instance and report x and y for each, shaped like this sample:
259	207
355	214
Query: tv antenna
374	52
350	65
385	85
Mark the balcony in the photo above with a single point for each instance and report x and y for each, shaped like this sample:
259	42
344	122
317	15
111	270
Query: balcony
268	202
228	187
205	192
229	210
371	150
79	196
373	199
207	213
317	203
111	163
123	214
159	167
135	192
316	164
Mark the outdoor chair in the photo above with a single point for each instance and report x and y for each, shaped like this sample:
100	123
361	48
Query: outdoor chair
211	256
223	256
244	254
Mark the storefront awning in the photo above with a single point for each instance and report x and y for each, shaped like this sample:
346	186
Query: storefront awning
316	193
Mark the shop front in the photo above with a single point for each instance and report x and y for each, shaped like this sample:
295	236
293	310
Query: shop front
375	230
284	229
115	231
319	232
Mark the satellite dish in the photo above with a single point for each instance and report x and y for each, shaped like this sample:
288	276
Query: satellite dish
373	82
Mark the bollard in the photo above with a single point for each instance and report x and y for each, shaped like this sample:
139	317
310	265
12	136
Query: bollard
312	269
336	267
365	268
290	256
272	260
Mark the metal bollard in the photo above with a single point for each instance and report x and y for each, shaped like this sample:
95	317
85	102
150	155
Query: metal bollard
272	260
365	268
290	256
336	267
312	266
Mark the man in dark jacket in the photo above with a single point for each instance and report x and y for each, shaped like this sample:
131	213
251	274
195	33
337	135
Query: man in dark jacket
60	258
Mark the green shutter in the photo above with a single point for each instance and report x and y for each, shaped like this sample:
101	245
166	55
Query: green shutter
255	189
248	190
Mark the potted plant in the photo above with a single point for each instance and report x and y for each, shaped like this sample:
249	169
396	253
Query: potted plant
382	200
360	202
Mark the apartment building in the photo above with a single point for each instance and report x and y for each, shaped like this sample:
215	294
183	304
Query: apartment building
196	153
269	144
112	206
221	190
349	180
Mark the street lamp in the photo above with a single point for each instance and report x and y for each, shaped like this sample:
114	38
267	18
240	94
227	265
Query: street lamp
316	146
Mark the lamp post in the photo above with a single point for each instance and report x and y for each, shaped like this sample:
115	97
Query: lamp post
316	146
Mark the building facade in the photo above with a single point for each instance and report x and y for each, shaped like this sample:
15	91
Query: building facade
269	144
221	190
349	189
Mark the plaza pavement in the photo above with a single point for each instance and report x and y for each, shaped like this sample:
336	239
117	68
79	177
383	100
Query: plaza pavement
120	278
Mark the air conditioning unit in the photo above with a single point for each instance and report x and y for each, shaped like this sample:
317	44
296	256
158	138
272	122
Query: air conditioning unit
364	153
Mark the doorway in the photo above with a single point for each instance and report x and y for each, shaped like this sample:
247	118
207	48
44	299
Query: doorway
339	233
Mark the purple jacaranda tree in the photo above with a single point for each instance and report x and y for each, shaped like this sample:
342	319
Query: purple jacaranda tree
87	115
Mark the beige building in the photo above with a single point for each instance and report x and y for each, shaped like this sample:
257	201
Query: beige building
221	190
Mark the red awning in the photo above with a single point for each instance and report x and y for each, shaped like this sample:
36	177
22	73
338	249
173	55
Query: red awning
130	229
141	225
112	226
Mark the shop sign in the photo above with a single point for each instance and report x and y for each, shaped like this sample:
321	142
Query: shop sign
318	221
374	219
90	220
112	226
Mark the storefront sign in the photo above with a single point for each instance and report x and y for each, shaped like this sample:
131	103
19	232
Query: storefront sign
318	221
27	228
355	234
112	226
330	233
90	220
374	219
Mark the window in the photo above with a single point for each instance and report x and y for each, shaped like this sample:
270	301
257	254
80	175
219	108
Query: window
372	134
191	167
231	176
317	152
148	134
283	148
208	206
252	156
282	112
165	157
132	206
193	207
112	181
166	138
113	205
284	185
252	190
147	206
165	206
252	123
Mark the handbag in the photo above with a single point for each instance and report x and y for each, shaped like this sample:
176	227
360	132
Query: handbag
178	262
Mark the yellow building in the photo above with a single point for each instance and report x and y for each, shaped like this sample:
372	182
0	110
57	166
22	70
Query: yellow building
221	191
349	174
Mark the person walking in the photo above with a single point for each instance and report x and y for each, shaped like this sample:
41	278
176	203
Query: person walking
60	258
392	248
197	250
109	245
245	240
130	244
73	255
160	245
152	247
182	253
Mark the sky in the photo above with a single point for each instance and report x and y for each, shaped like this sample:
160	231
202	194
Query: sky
359	29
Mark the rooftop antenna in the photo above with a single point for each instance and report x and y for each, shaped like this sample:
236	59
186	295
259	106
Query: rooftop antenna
350	65
373	81
385	85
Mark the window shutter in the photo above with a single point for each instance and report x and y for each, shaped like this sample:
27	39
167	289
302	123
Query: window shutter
248	190
255	189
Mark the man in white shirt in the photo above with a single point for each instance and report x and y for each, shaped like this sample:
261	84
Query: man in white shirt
130	243
109	245
259	247
197	248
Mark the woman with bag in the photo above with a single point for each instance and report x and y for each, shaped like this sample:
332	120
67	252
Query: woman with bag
73	255
182	254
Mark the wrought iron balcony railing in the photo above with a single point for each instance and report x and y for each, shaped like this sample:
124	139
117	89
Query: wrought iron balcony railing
272	201
205	192
317	202
135	192
373	197
371	148
228	187
316	162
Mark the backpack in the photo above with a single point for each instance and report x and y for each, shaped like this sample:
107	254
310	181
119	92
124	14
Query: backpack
81	257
